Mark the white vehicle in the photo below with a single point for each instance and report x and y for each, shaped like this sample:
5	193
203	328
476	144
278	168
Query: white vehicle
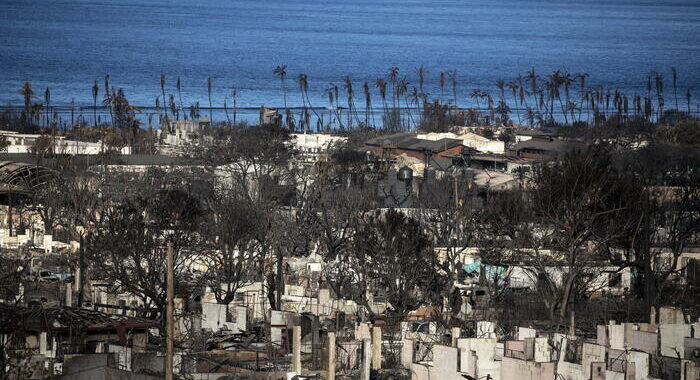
44	275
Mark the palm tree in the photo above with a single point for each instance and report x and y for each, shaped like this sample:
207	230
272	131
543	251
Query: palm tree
281	72
687	98
209	84
95	90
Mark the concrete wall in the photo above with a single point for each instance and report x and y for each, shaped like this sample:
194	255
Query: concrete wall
517	369
592	353
478	357
444	367
644	341
213	316
671	337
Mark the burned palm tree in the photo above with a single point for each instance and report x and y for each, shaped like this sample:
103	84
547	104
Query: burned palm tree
228	118
108	101
583	94
381	86
160	115
674	74
27	95
415	98
281	72
402	92
234	99
659	84
347	84
477	94
532	78
178	87
303	81
513	86
393	79
173	107
331	92
453	81
442	85
162	92
209	88
368	103
95	90
330	95
47	101
421	71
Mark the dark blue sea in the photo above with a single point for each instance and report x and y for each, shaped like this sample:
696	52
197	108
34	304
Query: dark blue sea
66	45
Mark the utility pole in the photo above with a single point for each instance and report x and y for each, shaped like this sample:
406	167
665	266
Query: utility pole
170	289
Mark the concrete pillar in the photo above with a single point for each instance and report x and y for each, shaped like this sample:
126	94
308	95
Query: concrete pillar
407	352
69	295
376	347
296	350
366	359
323	298
455	335
43	343
241	318
331	356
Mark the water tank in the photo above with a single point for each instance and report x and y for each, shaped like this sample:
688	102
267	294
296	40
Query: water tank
405	174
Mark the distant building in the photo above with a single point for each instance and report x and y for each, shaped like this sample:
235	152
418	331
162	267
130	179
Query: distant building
183	132
26	142
469	139
315	147
270	116
544	148
408	144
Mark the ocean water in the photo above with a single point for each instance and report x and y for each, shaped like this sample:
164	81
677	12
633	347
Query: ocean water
67	44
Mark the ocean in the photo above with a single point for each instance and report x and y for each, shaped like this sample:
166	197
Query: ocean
67	44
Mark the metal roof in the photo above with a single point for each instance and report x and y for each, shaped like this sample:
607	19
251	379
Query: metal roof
22	178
